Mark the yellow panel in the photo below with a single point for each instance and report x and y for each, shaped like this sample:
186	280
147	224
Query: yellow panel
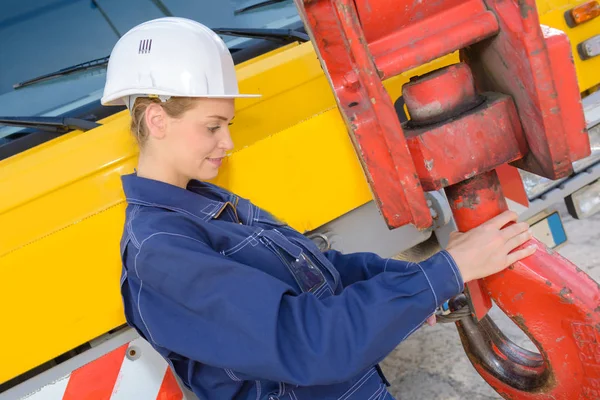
59	261
60	291
552	14
293	88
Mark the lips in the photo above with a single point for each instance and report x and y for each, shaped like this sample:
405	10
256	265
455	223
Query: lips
216	161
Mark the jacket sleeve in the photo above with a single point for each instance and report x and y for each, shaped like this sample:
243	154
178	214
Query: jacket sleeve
360	266
211	309
355	267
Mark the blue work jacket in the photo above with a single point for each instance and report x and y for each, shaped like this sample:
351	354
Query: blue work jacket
244	307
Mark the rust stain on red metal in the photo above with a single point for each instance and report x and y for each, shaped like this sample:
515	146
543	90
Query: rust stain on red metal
519	297
565	295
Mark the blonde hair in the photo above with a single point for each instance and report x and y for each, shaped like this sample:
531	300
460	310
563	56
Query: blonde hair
175	107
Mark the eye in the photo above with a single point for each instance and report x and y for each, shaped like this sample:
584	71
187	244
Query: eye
213	129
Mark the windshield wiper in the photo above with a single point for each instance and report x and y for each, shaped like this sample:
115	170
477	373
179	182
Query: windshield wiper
256	4
50	124
278	35
99	62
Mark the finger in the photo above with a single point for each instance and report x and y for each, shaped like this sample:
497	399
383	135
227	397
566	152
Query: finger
502	219
514	230
518	240
521	254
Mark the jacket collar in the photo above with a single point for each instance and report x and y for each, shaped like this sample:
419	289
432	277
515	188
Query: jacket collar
201	199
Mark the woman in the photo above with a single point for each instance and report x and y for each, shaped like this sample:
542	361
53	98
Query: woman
241	305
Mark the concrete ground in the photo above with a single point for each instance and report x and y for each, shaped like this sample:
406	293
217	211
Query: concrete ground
432	365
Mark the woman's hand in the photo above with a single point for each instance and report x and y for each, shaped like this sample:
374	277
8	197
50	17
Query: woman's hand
485	250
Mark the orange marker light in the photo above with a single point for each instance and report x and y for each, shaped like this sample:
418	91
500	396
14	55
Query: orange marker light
585	12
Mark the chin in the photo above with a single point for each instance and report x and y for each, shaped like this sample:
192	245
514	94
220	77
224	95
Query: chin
206	176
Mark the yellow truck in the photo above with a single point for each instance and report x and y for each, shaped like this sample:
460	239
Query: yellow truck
62	155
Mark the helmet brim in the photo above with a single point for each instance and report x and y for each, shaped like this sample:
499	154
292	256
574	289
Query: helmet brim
119	98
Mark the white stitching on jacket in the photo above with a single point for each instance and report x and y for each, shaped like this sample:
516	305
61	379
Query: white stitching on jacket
452	264
430	285
378	392
258	390
241	244
232	375
364	379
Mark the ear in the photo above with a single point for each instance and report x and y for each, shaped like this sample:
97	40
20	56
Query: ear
156	121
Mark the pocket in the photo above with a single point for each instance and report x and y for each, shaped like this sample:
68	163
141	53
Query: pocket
307	275
319	258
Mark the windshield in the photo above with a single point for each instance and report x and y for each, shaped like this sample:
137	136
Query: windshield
39	38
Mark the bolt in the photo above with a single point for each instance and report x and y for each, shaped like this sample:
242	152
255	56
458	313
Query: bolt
133	353
351	80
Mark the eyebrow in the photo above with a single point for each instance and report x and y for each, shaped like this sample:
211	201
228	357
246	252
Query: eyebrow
219	117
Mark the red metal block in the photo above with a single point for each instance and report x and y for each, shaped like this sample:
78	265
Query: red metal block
516	61
454	133
475	142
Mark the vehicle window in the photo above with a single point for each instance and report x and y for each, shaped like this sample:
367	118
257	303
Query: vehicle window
41	38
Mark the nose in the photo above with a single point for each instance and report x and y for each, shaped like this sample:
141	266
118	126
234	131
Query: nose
225	142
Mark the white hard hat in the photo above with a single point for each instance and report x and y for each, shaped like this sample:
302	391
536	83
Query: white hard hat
166	57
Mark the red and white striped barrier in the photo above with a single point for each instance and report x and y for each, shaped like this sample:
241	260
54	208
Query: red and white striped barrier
132	371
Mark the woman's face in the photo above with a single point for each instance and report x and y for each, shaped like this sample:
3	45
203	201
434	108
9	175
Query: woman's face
196	143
